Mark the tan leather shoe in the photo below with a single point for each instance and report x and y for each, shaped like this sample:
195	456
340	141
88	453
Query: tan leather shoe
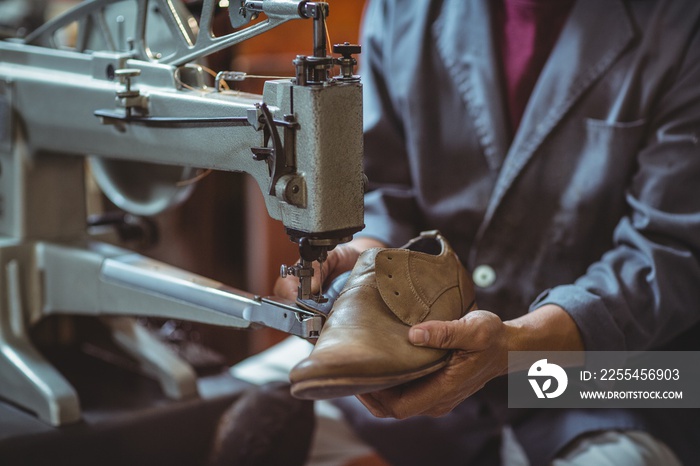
363	346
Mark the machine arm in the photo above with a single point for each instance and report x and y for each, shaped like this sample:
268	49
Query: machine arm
127	96
192	40
120	282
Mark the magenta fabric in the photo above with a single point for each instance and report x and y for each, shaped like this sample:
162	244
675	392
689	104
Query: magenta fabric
527	31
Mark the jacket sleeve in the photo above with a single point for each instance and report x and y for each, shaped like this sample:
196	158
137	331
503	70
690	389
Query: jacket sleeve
646	290
390	212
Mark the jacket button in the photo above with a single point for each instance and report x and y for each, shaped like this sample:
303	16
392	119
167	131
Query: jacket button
484	276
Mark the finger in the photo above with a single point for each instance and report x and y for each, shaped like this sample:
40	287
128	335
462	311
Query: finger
389	403
286	287
341	259
373	405
438	334
419	397
470	333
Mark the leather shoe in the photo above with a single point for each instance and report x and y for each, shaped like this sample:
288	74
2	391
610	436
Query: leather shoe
364	346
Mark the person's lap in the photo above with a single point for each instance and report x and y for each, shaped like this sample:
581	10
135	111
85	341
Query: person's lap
335	443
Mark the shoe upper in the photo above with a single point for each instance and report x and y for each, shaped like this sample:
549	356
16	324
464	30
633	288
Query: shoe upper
388	291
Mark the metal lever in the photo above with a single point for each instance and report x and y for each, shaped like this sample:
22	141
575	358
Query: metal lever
281	159
347	62
304	270
128	97
189	43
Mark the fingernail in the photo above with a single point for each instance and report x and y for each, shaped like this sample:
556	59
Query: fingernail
418	336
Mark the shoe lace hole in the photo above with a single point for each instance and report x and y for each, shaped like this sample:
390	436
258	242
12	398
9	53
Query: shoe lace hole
391	276
389	257
396	293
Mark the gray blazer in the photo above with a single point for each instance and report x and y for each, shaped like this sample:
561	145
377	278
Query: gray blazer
593	204
597	197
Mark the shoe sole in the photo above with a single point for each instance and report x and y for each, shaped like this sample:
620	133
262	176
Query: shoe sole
336	387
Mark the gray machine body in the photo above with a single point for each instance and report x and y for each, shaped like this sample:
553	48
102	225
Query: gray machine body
137	115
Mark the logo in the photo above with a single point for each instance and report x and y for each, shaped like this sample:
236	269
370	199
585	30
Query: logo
544	371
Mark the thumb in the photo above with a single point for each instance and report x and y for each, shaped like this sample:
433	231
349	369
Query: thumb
438	334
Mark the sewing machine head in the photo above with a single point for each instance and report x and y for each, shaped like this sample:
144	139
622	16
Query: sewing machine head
129	95
138	104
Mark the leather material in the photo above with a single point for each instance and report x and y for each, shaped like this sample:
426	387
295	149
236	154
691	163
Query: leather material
364	344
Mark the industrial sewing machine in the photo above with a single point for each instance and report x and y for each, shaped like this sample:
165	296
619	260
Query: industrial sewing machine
129	95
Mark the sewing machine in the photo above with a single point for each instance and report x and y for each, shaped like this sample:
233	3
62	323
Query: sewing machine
129	96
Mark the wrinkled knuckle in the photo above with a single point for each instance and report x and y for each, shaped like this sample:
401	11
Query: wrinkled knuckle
328	265
346	256
444	337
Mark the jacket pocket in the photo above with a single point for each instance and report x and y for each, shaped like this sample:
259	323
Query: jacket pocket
621	136
592	202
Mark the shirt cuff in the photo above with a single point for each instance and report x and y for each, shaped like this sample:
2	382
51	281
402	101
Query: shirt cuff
598	328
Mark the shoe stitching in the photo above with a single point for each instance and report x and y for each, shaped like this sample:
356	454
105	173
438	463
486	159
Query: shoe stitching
416	295
352	287
439	293
461	296
387	291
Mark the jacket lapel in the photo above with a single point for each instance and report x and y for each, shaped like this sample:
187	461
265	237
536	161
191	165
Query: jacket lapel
473	62
596	33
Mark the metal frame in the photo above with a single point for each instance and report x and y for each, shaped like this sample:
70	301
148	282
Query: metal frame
58	106
191	42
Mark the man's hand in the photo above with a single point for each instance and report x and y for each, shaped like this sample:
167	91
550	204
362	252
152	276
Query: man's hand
481	342
339	260
480	354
